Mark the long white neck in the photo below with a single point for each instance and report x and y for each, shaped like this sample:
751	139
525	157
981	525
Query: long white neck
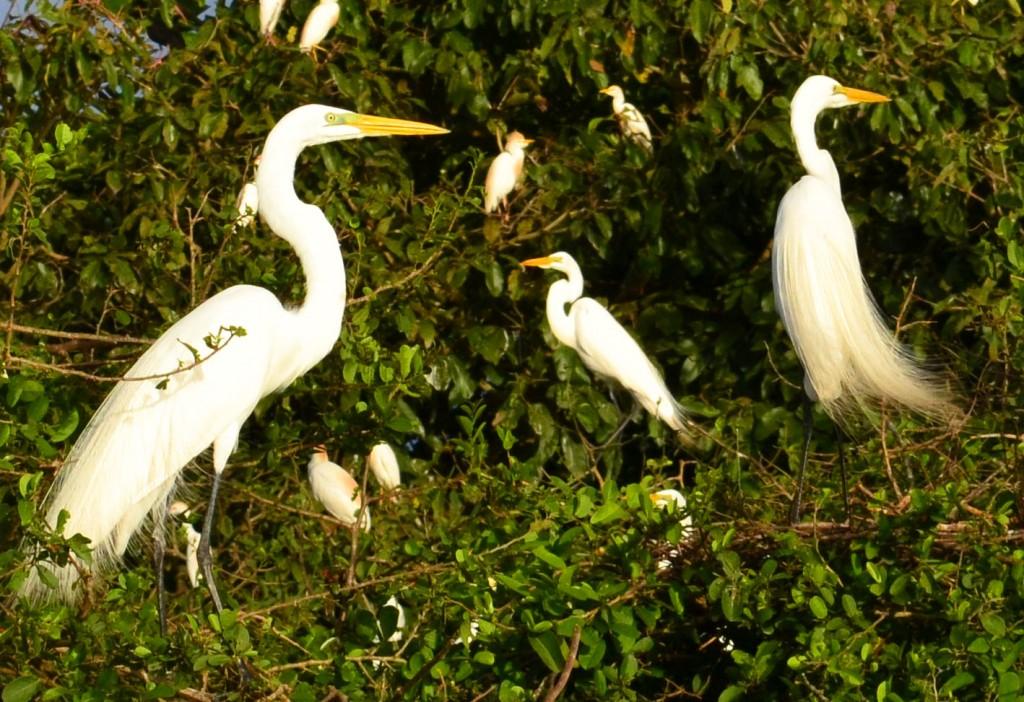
618	103
818	162
560	294
306	228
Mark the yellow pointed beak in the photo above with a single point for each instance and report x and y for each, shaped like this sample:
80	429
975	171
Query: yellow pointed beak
605	91
527	142
372	125
542	261
858	95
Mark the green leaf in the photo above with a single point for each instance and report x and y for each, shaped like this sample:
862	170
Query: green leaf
546	646
960	680
818	607
20	689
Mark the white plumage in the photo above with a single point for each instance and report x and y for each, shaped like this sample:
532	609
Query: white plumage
247	204
128	459
384	464
504	172
631	122
604	345
192	538
320	21
336	489
850	357
270	12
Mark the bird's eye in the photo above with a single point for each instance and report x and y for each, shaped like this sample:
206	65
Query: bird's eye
332	117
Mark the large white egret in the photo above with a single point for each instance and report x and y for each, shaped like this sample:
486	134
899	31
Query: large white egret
631	122
504	172
216	363
336	489
320	21
851	359
604	345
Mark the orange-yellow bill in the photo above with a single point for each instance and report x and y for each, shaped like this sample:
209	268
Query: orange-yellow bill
542	261
858	95
372	125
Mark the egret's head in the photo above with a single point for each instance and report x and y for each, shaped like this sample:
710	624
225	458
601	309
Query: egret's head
319	124
614	92
662	498
559	261
819	93
516	139
319	454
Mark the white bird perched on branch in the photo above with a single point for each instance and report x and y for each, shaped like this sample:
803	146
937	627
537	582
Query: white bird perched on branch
320	21
176	402
602	343
850	357
336	489
662	499
270	12
631	122
504	173
384	464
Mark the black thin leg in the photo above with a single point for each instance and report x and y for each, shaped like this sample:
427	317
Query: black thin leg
794	508
206	566
205	561
842	473
159	549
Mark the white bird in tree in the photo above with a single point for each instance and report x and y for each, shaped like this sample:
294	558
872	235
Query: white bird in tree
270	12
602	343
662	499
384	465
851	359
631	122
197	384
504	173
248	201
336	489
320	21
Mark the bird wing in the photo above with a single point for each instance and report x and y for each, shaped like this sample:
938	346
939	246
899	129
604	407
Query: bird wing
633	124
501	179
270	11
608	349
320	21
147	430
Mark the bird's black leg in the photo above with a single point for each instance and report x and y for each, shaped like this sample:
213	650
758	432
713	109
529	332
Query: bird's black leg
842	473
794	508
203	555
206	566
159	548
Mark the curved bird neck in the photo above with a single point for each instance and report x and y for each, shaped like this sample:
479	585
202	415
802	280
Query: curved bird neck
562	293
818	162
306	228
618	104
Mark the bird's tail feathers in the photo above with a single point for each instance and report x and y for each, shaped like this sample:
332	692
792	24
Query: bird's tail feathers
107	497
854	361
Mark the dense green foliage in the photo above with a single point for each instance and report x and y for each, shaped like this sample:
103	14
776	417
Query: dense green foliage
119	174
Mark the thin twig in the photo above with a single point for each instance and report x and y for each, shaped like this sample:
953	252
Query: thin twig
570	661
399	283
24	362
81	336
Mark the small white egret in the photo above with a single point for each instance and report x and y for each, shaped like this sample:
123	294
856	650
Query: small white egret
336	489
662	499
270	12
248	204
192	538
602	343
851	359
384	464
631	122
504	173
321	20
171	406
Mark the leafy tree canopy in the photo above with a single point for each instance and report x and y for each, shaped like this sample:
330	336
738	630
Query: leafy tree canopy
523	546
